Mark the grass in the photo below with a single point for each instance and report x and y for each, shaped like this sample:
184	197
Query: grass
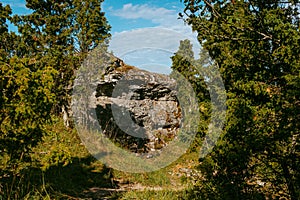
62	168
154	195
166	177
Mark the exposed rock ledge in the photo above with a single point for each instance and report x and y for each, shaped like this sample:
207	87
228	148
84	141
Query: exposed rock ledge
137	109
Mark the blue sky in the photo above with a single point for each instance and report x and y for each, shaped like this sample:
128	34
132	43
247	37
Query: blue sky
132	14
145	32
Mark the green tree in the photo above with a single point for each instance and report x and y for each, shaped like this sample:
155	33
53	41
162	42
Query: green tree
26	99
61	33
8	40
256	45
192	69
37	72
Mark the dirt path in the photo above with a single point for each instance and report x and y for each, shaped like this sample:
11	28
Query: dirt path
113	193
123	187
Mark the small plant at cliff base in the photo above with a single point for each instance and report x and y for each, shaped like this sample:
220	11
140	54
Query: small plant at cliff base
256	45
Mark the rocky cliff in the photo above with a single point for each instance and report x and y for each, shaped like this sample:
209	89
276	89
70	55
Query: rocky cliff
137	109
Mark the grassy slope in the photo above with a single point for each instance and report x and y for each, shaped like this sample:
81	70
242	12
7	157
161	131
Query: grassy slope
63	169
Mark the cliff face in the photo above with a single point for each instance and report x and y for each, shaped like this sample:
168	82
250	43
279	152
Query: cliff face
137	109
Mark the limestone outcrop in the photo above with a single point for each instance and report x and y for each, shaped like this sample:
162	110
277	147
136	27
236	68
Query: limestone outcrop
136	108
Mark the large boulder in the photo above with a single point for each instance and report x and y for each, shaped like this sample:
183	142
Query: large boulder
135	108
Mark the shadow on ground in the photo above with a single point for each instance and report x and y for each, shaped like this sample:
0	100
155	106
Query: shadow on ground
83	178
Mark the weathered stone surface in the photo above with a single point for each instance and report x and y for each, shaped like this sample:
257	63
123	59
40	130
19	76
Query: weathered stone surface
137	109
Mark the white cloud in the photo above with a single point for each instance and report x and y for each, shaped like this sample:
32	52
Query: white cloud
152	37
160	16
165	18
130	11
153	46
148	47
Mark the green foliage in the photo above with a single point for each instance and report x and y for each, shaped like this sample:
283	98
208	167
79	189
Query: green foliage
193	71
26	102
60	34
60	168
36	77
256	45
184	62
7	39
